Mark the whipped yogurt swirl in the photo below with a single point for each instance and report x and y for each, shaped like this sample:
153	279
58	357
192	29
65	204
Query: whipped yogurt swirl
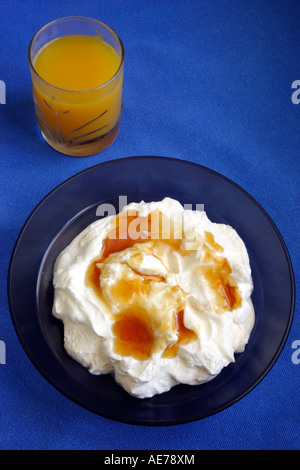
170	304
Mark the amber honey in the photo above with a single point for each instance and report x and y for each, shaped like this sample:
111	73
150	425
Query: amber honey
184	336
134	334
217	272
132	325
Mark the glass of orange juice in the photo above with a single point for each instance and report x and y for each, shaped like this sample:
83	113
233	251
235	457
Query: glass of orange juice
76	66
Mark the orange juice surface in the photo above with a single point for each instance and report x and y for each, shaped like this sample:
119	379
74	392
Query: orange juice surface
82	100
77	62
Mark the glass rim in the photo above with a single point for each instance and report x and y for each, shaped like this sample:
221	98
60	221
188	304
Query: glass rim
71	18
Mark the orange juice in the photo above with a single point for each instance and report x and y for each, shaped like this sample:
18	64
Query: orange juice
79	99
77	62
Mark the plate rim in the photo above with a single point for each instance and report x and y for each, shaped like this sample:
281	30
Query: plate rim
185	162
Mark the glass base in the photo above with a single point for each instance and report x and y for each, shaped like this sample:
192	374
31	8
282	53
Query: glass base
88	149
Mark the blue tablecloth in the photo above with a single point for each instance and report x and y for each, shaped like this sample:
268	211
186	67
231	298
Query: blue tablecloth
206	81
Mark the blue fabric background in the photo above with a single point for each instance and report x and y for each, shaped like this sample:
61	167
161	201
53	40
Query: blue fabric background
207	81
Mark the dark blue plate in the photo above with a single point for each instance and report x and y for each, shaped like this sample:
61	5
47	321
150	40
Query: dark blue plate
69	208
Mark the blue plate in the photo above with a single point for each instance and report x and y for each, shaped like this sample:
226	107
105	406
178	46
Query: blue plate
70	207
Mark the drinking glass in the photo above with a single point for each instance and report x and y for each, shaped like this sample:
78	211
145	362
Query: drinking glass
77	122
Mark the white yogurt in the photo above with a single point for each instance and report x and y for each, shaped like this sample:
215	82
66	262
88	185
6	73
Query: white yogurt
181	282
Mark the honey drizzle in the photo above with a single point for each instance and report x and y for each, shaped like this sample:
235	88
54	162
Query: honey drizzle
184	336
134	334
119	238
132	327
217	271
92	277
